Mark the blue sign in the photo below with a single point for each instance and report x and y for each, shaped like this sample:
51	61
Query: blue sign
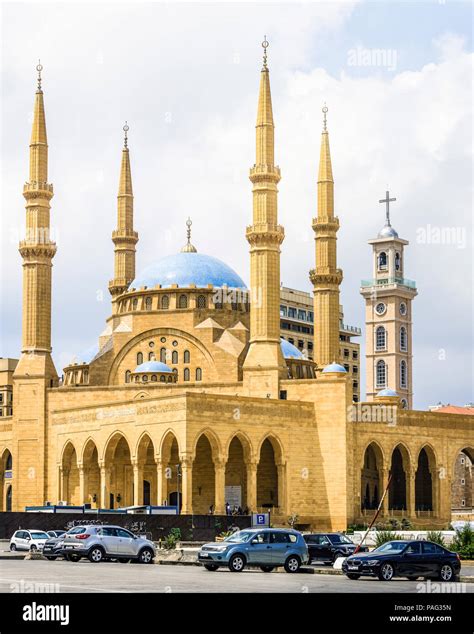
261	519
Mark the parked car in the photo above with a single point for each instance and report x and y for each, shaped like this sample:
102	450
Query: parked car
32	540
411	559
53	548
266	548
327	547
106	542
56	533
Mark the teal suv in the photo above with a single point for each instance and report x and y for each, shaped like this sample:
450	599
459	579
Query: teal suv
264	548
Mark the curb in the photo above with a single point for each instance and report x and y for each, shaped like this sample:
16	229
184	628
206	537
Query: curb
6	557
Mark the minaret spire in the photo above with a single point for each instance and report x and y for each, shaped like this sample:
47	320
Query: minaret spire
264	363
326	277
124	237
188	247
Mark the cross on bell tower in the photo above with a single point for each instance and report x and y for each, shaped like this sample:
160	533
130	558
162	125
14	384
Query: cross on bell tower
387	200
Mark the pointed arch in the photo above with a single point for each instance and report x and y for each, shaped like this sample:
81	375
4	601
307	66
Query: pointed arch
213	441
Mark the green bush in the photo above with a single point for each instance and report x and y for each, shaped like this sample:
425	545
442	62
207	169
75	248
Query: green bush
463	542
436	537
173	537
406	524
381	537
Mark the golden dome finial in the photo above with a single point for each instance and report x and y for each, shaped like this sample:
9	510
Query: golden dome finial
325	110
188	247
125	138
39	68
265	45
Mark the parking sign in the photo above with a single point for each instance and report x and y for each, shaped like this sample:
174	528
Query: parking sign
261	519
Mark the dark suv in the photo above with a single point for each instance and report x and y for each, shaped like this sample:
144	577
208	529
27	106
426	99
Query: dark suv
327	547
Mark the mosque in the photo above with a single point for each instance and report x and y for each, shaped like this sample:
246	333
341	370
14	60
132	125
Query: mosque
190	371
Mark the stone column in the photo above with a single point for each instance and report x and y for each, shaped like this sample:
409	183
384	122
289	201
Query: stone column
83	472
187	485
385	475
219	495
252	486
137	483
104	486
159	482
64	483
282	503
411	477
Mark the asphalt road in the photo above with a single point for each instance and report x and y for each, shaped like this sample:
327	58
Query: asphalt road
83	576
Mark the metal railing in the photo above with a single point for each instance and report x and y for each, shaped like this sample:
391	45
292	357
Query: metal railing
402	281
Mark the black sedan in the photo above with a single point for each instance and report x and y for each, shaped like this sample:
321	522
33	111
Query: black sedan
411	559
327	547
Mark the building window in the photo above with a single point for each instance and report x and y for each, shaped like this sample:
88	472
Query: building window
355	354
151	356
292	312
154	377
310	315
163	355
397	261
300	343
183	301
403	339
201	301
187	356
186	374
174	357
403	373
162	378
355	369
148	303
283	311
86	376
346	366
463	481
135	304
165	302
382	261
145	378
346	352
302	314
463	502
355	398
198	374
128	374
380	338
139	358
381	373
355	384
292	341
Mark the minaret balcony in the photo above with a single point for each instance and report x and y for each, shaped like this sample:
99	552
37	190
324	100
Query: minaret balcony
120	236
264	172
37	189
389	281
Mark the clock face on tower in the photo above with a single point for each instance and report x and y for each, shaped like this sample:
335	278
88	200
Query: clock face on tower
403	309
380	308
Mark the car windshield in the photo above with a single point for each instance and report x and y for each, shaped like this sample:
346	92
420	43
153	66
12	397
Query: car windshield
39	535
339	539
391	547
239	537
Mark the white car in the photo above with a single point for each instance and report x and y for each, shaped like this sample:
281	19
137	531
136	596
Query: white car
31	540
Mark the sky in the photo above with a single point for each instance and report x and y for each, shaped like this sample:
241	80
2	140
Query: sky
396	77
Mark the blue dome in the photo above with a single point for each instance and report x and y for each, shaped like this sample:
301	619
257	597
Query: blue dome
334	367
184	269
153	366
290	351
387	392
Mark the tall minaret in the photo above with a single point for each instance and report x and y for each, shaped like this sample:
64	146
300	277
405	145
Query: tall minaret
326	278
264	363
388	316
124	237
37	250
35	372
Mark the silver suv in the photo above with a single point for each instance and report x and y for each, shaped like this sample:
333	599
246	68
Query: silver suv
98	543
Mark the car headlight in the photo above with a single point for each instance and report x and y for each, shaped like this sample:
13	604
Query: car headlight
372	562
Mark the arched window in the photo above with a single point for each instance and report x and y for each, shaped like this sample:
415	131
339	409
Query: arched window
145	378
398	261
404	403
381	373
382	261
183	301
201	301
139	358
187	356
163	355
148	303
380	338
135	303
403	339
174	357
186	374
86	376
403	374
170	379
162	378
198	374
154	377
165	302
9	462
151	356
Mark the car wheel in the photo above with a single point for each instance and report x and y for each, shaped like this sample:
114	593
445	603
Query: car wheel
352	576
72	557
292	564
386	572
123	560
95	555
13	547
266	568
146	556
336	555
446	573
50	557
211	567
237	563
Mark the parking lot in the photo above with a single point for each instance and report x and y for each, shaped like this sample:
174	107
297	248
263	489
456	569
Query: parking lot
36	575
